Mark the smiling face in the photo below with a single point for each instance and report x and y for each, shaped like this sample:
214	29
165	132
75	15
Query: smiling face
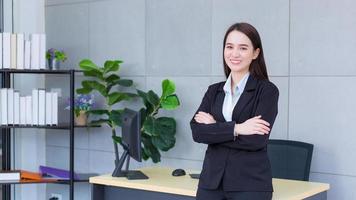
239	52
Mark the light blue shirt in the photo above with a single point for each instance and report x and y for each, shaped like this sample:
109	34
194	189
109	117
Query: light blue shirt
232	98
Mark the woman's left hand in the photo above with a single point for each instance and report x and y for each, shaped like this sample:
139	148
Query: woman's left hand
204	118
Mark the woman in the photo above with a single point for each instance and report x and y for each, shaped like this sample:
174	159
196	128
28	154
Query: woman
234	119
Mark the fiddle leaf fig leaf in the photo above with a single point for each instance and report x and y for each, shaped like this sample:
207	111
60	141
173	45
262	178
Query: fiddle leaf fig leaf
116	97
143	115
168	88
152	98
112	78
164	129
116	117
95	85
124	82
84	90
149	126
143	95
112	65
94	73
88	65
170	102
150	150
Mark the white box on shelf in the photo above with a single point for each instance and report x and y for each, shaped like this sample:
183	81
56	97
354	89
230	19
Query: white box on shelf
54	108
42	51
23	110
41	107
0	50
35	51
16	107
20	51
27	64
13	51
35	105
3	101
10	106
29	110
6	50
48	108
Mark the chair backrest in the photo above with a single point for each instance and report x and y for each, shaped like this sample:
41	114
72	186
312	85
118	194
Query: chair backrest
290	159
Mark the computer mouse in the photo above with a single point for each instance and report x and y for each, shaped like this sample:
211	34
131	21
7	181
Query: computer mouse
178	172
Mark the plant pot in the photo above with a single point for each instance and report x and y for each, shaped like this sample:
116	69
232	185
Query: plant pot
53	64
81	120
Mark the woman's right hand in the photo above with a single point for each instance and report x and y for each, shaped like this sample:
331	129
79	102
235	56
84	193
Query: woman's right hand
253	126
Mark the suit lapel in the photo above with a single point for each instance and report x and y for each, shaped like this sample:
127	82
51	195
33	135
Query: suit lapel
245	97
220	96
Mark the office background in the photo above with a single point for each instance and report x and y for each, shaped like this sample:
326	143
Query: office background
308	44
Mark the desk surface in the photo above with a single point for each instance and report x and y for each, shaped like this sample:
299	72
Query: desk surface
161	180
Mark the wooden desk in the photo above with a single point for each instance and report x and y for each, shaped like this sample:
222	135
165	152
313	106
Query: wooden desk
162	185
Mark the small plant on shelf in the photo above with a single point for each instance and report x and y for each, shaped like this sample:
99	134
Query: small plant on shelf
82	104
55	57
59	55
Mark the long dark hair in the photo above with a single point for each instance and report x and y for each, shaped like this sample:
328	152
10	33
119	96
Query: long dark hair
258	65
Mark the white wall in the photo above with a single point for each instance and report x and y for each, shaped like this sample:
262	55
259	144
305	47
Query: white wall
7	15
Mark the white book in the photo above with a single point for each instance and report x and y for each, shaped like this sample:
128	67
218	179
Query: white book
16	107
54	108
10	175
27	61
0	50
13	51
3	101
43	51
35	104
20	51
6	49
10	106
48	108
41	107
23	110
35	51
28	110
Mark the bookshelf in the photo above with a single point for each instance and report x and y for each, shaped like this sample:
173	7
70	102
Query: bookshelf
6	134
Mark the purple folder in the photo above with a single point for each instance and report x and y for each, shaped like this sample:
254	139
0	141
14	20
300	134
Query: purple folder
55	172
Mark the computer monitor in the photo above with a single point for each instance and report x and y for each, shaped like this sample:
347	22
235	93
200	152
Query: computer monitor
131	142
131	134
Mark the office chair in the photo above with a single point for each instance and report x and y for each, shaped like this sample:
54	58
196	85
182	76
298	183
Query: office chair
290	159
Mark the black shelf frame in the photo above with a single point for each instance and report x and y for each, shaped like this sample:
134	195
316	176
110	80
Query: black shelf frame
6	131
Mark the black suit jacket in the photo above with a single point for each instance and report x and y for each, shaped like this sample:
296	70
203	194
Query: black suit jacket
241	163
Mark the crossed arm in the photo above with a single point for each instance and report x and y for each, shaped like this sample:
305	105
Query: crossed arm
252	126
250	135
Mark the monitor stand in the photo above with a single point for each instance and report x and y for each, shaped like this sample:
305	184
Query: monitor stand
135	175
129	174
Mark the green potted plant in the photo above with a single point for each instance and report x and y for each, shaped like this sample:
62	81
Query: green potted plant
158	133
55	57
